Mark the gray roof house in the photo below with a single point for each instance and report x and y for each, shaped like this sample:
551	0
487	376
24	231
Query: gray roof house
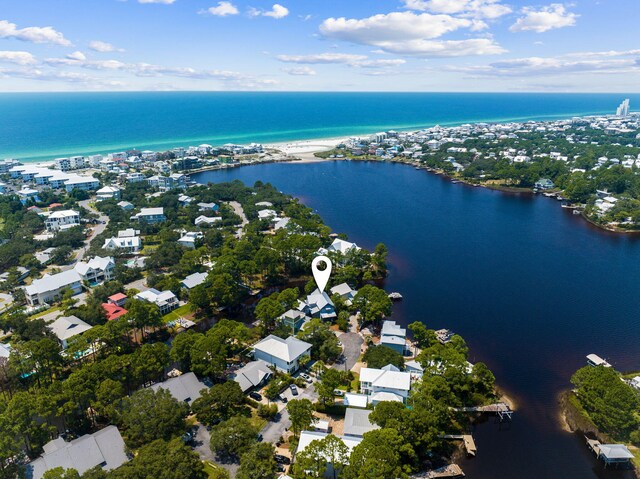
104	448
393	336
193	280
318	305
66	327
184	388
356	422
284	354
252	374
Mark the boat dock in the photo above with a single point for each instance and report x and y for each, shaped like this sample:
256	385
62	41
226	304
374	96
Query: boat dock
502	410
467	439
452	471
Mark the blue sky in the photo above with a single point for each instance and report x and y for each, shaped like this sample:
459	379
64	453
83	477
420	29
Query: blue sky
320	45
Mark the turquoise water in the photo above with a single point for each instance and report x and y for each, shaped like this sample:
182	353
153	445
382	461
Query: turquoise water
42	126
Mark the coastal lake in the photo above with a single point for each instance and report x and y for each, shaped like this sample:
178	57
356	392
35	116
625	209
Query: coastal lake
531	287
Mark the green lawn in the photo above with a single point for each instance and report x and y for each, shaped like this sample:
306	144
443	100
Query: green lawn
182	311
213	471
46	311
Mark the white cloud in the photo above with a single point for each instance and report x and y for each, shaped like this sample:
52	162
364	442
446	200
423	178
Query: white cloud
380	63
103	47
223	9
77	56
20	58
322	58
32	34
164	2
544	19
473	8
277	12
300	71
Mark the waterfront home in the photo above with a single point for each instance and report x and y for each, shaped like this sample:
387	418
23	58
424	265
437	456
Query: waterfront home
355	400
208	207
345	292
595	360
96	270
166	301
357	423
389	380
393	336
167	183
104	449
252	375
184	200
414	368
444	335
267	214
318	305
51	287
108	193
293	320
183	388
129	244
544	184
193	280
7	164
283	354
151	215
339	246
26	194
189	239
280	223
62	219
206	220
82	183
66	327
125	205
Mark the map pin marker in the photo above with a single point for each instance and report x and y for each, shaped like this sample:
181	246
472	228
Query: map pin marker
321	276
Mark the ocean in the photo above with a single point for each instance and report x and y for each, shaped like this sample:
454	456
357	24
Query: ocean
531	287
43	126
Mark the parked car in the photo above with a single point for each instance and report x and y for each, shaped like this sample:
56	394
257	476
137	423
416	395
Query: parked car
306	377
259	437
255	396
283	398
294	389
280	459
338	392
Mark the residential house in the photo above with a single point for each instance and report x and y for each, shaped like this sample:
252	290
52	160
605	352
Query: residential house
165	300
28	194
318	305
345	292
252	375
352	400
118	299
208	207
414	368
339	246
193	280
293	320
108	193
183	388
388	383
62	219
188	240
307	437
51	287
544	184
267	214
393	336
206	220
129	244
185	200
151	215
104	449
66	327
357	423
113	311
167	183
125	205
96	270
83	183
284	354
135	177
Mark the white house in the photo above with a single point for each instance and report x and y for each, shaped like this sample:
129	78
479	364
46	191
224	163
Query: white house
96	270
307	437
318	305
104	448
84	183
206	220
150	215
66	327
125	205
193	280
345	292
108	193
165	300
394	384
188	240
129	244
357	423
339	246
393	336
267	214
63	219
51	287
284	354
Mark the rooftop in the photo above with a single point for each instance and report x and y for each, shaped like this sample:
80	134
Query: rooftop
287	350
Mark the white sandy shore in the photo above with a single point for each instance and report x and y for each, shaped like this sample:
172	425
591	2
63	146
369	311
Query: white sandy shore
306	146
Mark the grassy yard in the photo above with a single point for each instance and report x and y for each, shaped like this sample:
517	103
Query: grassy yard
257	421
213	471
46	311
355	384
181	312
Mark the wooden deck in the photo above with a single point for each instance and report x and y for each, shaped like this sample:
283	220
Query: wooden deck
451	471
469	443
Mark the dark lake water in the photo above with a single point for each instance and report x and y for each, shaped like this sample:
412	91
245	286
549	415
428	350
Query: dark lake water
532	288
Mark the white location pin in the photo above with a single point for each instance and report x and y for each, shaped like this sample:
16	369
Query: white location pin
321	276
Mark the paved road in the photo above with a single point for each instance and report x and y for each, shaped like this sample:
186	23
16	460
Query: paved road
95	231
237	209
352	343
274	429
201	446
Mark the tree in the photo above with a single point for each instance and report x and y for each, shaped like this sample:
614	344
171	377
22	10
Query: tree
379	356
162	460
148	415
372	302
61	473
422	336
258	463
388	414
324	343
232	437
316	458
142	315
331	379
268	310
378	456
301	415
220	403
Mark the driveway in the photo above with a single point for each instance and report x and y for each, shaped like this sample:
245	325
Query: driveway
201	446
274	429
352	344
237	209
139	284
103	221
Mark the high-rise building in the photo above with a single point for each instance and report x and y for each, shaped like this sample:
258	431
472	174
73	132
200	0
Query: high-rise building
623	109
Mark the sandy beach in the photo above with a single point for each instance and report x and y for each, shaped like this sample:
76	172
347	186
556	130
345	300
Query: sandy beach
305	149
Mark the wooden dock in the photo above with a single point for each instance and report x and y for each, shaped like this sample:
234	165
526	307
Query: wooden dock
452	471
502	410
467	439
